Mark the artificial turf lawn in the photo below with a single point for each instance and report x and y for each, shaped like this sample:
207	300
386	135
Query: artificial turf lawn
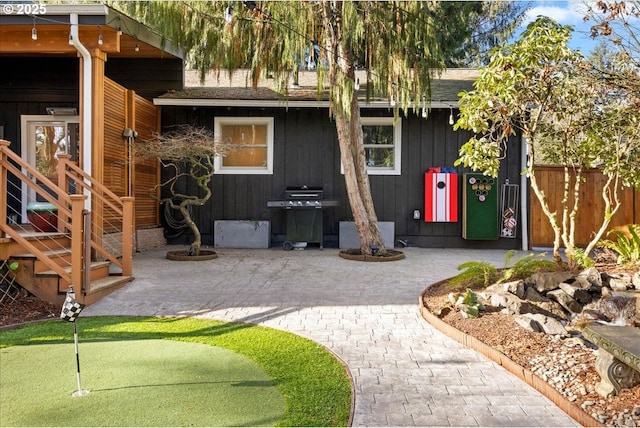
130	368
136	383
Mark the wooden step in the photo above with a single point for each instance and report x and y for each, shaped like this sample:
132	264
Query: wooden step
104	286
106	283
62	257
42	241
40	280
98	270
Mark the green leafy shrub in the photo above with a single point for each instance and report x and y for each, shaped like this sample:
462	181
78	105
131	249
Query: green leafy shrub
474	273
525	266
581	259
467	303
483	274
627	245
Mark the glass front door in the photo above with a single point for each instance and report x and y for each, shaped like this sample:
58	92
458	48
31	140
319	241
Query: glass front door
44	138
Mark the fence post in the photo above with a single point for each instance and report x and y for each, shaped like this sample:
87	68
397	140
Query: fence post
127	235
77	242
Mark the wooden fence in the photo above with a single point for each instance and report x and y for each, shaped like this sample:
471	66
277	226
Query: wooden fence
591	209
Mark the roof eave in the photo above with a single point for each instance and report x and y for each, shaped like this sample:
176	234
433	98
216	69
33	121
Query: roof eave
210	102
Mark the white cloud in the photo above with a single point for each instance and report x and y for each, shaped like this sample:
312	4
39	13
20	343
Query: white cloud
569	14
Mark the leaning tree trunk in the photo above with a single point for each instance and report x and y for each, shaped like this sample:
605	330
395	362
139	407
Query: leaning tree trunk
202	178
612	204
197	237
349	130
544	204
357	181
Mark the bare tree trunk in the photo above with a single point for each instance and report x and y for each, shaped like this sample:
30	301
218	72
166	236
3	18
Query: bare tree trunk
197	238
542	198
552	216
349	130
612	203
357	181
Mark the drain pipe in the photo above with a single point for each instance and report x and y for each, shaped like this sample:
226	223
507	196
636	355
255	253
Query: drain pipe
87	111
524	196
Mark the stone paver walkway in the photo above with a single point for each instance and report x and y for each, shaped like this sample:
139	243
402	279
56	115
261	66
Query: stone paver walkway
405	372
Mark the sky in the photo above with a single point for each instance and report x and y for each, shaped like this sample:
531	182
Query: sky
567	13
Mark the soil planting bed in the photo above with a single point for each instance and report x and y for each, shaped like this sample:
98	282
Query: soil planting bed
567	365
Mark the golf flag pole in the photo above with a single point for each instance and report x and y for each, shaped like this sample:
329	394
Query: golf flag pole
70	311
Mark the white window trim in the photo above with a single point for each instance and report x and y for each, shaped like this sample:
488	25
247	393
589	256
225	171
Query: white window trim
397	146
249	120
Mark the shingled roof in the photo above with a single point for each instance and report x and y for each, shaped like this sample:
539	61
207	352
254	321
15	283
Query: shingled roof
222	89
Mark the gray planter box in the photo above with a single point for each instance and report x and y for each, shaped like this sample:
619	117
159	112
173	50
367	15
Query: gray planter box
349	236
241	234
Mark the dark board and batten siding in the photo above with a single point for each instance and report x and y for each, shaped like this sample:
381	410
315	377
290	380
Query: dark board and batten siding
148	77
27	87
306	152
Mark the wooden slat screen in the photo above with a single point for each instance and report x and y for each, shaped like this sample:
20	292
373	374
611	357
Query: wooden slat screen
590	212
146	172
115	149
115	156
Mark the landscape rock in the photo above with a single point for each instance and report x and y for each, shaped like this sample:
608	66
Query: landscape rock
532	295
577	292
617	284
589	314
617	281
635	280
592	276
565	300
552	308
541	323
547	281
509	303
516	287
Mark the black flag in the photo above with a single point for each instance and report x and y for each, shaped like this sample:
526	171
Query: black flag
71	308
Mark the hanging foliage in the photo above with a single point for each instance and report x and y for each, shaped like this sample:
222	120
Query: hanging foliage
402	45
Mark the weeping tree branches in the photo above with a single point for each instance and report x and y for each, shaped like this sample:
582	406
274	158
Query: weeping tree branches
401	44
190	153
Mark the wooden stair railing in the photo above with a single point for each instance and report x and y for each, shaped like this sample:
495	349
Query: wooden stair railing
70	213
12	163
69	173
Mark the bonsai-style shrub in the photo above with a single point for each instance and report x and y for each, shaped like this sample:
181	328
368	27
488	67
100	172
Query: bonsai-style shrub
190	152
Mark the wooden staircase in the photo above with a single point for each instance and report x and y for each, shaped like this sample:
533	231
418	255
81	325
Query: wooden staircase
47	263
44	283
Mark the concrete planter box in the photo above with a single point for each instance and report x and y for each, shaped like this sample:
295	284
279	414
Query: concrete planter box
241	234
349	235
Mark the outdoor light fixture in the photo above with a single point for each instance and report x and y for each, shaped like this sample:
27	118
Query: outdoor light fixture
100	39
357	84
451	121
34	32
137	48
62	111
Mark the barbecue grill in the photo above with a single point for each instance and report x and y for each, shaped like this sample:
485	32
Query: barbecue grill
303	206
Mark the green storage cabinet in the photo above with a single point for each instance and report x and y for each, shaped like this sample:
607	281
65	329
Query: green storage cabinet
479	207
